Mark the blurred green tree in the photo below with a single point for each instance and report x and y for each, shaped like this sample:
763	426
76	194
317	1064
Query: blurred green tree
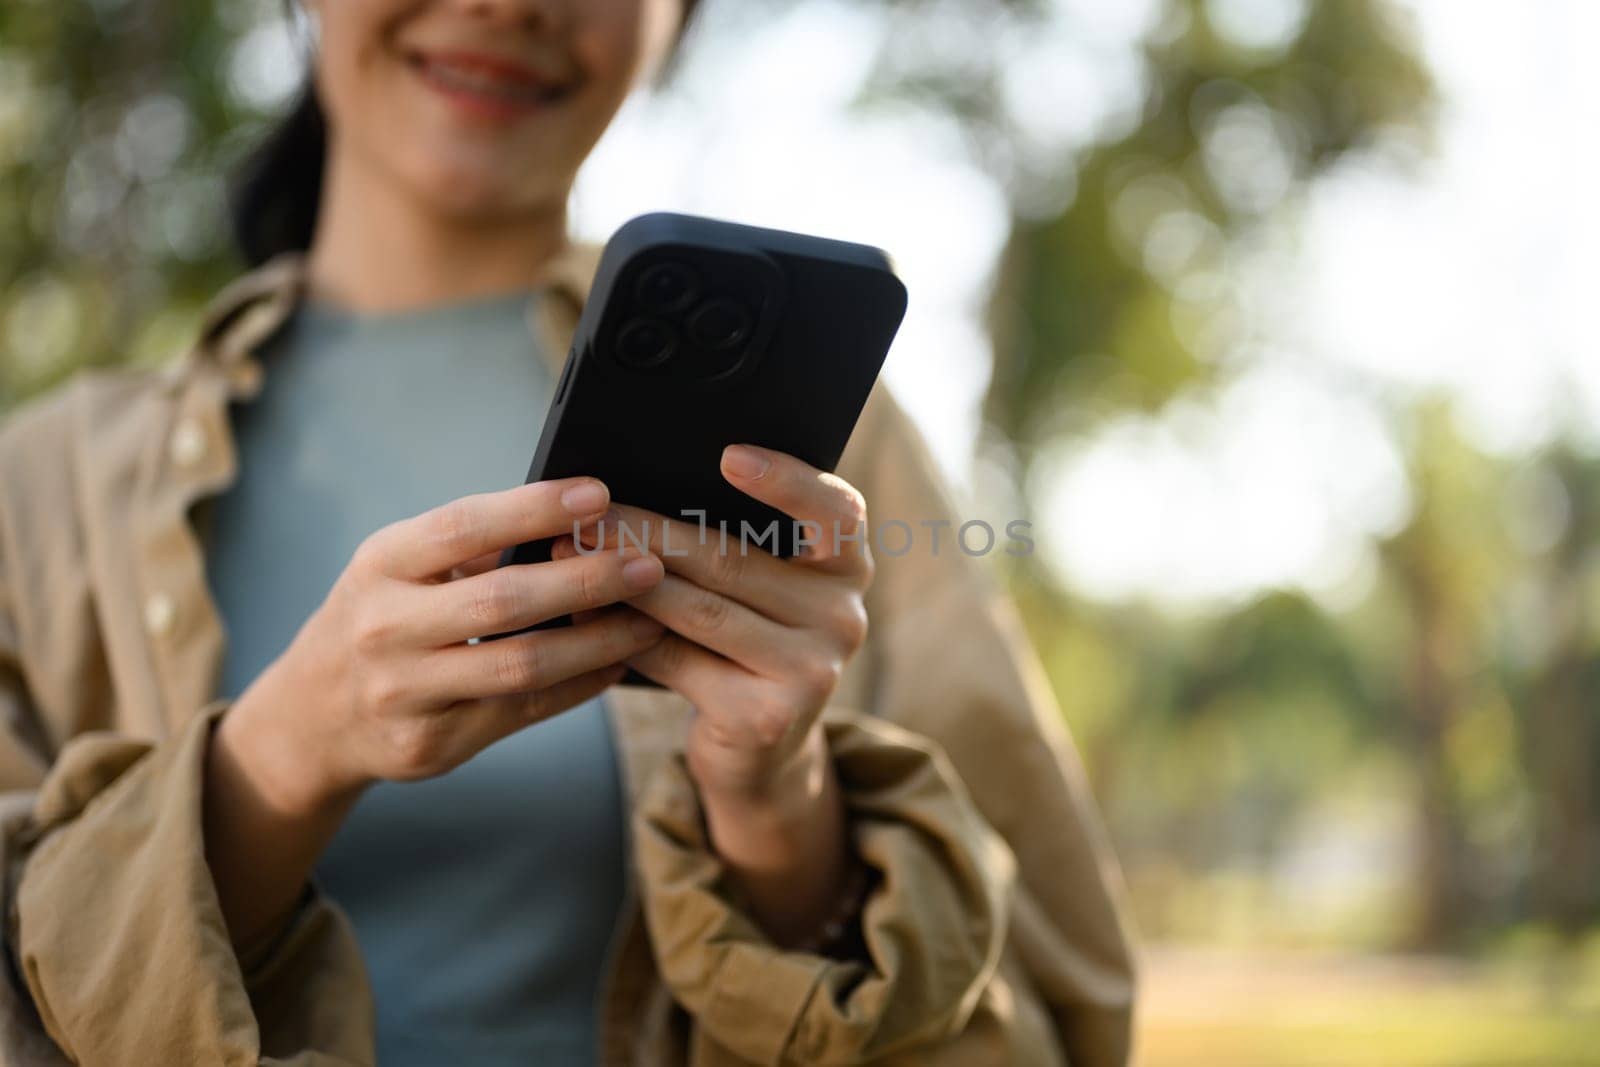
1551	634
1113	289
1446	570
118	122
1143	146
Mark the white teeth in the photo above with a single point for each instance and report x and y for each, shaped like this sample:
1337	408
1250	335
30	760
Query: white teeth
473	81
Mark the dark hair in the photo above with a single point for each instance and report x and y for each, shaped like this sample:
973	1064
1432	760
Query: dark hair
272	204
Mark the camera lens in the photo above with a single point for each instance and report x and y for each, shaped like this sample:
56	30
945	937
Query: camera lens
645	343
666	287
719	323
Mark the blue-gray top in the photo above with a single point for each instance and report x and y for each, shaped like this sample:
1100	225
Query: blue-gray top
483	899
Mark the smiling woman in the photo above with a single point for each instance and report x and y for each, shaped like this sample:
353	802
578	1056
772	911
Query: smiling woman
540	112
270	800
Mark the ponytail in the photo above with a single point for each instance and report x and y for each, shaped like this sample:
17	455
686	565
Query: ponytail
273	206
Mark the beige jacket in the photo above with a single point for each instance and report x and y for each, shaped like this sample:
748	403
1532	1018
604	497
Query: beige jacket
996	935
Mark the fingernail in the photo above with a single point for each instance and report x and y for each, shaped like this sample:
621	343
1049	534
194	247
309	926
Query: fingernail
585	498
644	627
641	573
745	462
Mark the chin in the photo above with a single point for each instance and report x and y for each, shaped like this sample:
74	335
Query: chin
476	193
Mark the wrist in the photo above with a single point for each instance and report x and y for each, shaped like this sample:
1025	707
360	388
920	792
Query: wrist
289	768
786	845
268	810
777	825
837	932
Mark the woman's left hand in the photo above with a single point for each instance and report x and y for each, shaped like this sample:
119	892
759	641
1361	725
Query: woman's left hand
756	643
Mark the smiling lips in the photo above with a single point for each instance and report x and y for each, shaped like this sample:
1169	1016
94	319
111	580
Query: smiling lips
487	86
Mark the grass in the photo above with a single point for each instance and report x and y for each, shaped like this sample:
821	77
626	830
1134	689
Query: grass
1234	1009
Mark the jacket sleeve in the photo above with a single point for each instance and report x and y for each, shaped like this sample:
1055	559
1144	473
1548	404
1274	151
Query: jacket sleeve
116	951
951	661
934	925
120	940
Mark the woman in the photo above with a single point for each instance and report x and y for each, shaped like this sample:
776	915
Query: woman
349	831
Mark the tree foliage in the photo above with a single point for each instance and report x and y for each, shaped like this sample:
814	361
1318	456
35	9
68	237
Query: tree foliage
1141	156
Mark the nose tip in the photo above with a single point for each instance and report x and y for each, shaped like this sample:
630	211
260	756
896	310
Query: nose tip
537	14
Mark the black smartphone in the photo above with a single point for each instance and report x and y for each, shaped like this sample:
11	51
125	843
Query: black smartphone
700	333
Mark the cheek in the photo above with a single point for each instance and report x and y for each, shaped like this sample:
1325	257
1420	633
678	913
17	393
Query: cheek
349	32
621	41
355	72
606	42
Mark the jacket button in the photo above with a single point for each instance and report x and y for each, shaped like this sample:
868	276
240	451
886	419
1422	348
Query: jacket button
160	613
188	443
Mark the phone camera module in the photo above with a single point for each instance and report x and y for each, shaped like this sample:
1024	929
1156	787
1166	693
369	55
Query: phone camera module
667	287
645	343
719	324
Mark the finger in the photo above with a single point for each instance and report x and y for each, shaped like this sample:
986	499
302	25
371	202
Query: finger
793	596
681	665
723	625
833	507
525	663
453	534
595	613
483	722
490	560
510	598
486	562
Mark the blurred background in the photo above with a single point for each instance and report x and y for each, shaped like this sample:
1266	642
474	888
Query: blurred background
1276	317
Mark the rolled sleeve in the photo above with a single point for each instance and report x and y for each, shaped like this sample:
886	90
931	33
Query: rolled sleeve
120	936
934	926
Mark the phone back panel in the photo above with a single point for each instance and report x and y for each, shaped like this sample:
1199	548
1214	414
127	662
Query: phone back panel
666	370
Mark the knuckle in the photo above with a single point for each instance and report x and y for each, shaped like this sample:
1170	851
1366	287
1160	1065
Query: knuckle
728	562
381	689
672	654
370	554
521	667
852	505
492	600
372	633
416	747
850	623
727	566
588	586
818	677
770	724
723	732
709	611
457	526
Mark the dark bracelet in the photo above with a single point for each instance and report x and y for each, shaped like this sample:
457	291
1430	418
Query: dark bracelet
839	933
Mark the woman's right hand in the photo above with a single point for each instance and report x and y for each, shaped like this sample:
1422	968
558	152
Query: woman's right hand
380	683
